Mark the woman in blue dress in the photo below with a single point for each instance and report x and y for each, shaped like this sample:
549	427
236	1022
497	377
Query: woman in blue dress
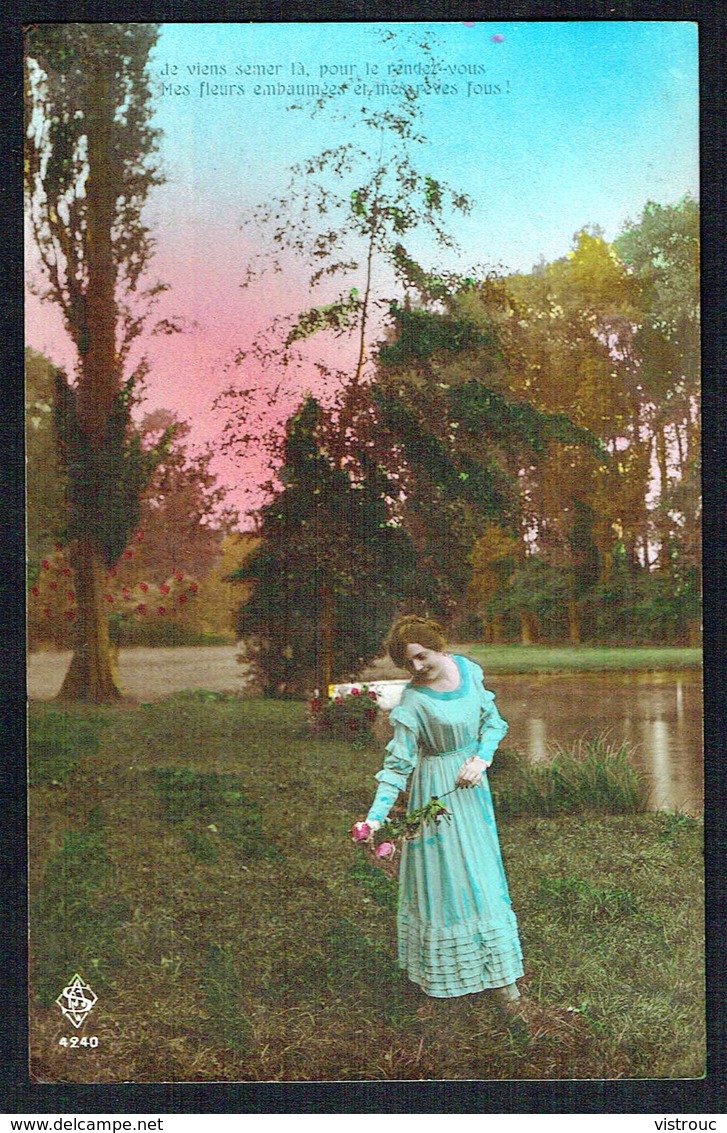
457	931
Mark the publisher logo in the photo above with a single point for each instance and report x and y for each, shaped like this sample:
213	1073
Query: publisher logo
76	1001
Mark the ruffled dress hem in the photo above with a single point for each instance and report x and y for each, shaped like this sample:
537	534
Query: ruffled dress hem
448	963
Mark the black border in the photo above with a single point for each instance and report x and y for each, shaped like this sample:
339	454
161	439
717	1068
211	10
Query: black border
19	1095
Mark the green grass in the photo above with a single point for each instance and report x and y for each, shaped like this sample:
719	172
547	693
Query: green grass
57	741
75	915
609	927
216	963
581	659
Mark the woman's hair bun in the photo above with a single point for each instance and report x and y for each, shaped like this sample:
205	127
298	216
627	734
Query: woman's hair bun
412	628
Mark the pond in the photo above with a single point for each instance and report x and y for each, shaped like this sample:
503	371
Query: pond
659	715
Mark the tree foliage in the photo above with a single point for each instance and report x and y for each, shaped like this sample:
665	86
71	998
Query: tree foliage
89	167
347	215
105	483
45	482
445	394
330	566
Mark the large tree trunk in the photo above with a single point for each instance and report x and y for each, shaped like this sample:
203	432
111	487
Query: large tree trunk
101	370
91	676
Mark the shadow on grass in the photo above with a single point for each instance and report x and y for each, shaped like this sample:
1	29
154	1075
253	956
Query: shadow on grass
205	806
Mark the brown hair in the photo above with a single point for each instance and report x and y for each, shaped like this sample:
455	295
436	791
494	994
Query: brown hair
412	628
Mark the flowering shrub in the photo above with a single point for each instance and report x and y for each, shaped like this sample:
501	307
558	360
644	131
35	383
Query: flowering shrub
348	717
52	605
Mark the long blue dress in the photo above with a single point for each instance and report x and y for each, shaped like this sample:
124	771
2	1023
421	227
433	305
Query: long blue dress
456	928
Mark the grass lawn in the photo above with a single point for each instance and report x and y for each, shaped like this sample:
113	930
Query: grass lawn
580	659
190	859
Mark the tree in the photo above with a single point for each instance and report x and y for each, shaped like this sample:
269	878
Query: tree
45	483
661	249
330	566
347	213
576	319
183	524
176	549
88	170
183	515
447	394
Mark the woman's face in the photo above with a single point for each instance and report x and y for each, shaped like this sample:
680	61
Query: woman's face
426	665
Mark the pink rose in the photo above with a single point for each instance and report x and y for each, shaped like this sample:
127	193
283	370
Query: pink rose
355	692
385	851
372	695
360	831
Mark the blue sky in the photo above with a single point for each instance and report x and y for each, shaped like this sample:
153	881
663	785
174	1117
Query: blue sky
594	119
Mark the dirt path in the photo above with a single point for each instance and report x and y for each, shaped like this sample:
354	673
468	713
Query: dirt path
149	674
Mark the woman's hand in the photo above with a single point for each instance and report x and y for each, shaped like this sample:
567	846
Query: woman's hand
471	772
364	831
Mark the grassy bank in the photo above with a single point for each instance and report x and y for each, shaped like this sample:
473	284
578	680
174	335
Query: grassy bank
583	659
211	836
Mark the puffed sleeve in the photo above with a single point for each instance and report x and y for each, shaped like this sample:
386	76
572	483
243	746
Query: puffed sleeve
492	726
400	761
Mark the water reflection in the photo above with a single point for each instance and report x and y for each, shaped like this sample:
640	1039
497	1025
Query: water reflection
659	715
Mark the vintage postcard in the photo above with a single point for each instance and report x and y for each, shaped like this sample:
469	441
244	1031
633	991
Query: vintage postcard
364	552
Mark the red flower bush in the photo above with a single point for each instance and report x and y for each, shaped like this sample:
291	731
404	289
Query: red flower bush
344	717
